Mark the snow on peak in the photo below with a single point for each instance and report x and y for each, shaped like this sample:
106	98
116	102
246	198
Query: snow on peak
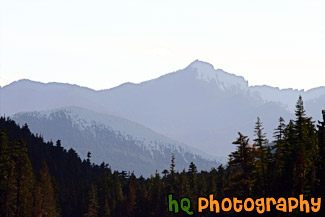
204	68
206	72
87	120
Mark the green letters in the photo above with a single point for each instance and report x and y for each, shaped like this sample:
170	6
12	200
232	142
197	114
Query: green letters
173	205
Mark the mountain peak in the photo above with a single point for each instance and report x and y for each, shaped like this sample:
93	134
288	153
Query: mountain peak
201	65
206	72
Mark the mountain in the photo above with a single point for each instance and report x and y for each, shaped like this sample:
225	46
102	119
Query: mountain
121	143
314	98
198	105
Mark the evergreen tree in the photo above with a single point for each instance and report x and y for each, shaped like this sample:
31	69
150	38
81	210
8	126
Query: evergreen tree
117	194
279	149
92	203
16	179
156	202
293	165
260	158
304	150
172	165
165	172
193	177
183	185
24	180
321	158
221	175
44	198
59	145
131	197
287	160
7	177
241	167
104	194
88	157
203	184
270	171
212	181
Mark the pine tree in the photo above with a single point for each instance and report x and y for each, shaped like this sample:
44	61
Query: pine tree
287	160
172	165
193	177
241	167
183	184
221	175
44	199
117	194
7	178
92	203
131	197
321	156
58	145
88	157
260	156
157	201
16	179
212	181
165	172
278	148
104	194
305	151
270	171
24	180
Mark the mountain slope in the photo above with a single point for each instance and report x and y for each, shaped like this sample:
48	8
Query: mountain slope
288	97
121	143
198	105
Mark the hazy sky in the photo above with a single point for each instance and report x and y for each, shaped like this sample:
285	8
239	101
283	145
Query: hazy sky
103	43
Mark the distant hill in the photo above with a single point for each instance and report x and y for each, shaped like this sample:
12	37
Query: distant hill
123	144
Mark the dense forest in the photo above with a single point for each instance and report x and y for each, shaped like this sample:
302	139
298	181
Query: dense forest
39	178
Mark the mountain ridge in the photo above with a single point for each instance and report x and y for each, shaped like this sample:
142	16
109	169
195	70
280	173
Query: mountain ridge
170	73
113	140
203	113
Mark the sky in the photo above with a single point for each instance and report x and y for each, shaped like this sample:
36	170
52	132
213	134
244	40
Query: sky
103	43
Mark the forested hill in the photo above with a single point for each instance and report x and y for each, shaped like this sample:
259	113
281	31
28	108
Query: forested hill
70	176
120	142
39	178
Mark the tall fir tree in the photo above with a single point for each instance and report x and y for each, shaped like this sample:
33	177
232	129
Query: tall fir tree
192	171
104	194
172	165
92	210
321	156
7	177
44	197
304	151
24	180
241	168
278	148
221	182
260	152
130	199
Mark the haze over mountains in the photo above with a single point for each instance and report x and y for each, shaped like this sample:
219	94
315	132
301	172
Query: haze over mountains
121	143
198	105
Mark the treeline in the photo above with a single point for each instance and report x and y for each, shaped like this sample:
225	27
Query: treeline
39	178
